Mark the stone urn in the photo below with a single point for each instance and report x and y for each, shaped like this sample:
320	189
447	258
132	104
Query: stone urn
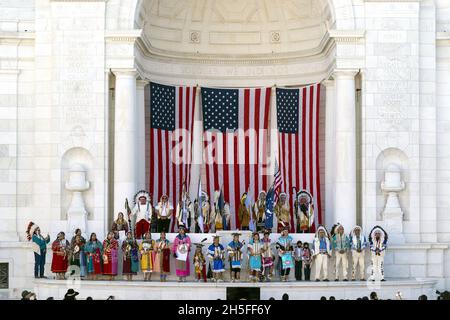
393	213
77	213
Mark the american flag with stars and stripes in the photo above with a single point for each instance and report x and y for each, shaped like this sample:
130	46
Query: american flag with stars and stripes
235	123
172	119
298	136
277	182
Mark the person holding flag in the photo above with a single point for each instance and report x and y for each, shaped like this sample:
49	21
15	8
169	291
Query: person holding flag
270	199
244	213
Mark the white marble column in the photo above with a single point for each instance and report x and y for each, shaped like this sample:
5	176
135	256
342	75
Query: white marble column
330	152
125	138
345	149
197	150
140	112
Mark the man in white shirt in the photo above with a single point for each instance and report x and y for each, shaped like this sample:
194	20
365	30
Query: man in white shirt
164	210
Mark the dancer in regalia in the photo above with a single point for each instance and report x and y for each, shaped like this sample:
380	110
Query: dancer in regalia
283	213
255	259
142	212
285	250
340	244
39	248
146	249
321	253
93	249
235	256
199	263
378	243
307	260
119	225
184	210
358	245
244	213
161	254
110	256
60	248
164	210
259	211
130	256
304	211
216	254
76	252
268	257
181	248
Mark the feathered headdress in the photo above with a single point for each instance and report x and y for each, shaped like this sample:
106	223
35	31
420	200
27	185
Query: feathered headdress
383	234
321	227
141	193
31	229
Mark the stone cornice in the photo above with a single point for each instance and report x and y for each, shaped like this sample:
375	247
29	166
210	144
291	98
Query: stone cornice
443	37
123	36
261	59
392	0
16	36
342	36
78	0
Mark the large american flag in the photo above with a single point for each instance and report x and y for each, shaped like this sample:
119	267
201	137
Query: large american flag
298	136
172	118
235	123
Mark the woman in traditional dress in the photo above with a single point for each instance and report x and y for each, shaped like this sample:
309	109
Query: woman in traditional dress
75	250
93	250
110	260
120	224
285	250
255	261
130	256
161	257
146	249
216	254
60	248
82	255
267	256
180	249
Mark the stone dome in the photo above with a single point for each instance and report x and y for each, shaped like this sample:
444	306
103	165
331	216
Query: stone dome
235	29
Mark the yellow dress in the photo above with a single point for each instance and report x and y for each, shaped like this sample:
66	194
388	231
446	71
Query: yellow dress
146	249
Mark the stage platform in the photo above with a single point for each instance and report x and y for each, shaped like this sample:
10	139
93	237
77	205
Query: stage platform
171	290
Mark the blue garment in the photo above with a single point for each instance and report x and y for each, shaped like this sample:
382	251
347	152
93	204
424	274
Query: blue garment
218	263
255	261
287	260
92	247
39	264
41	242
39	258
323	244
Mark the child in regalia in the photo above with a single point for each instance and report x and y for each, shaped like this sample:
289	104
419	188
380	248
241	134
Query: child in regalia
267	256
235	256
307	260
216	253
255	261
199	263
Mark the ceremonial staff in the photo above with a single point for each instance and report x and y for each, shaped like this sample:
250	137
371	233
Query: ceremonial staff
127	207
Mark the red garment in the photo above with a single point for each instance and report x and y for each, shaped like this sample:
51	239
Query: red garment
110	259
142	227
166	260
59	261
97	262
